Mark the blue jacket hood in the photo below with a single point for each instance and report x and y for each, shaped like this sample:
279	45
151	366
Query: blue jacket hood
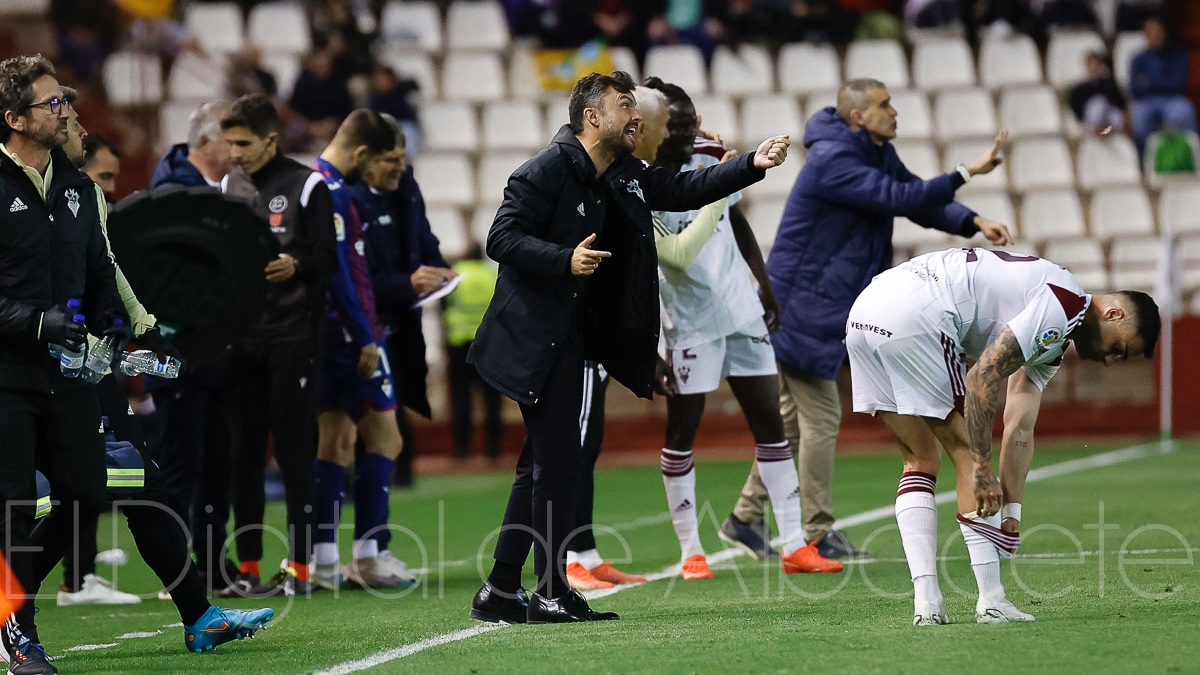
175	169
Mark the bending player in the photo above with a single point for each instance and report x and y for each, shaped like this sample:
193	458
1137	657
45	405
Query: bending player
909	335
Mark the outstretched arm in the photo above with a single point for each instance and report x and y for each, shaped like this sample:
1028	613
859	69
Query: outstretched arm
985	383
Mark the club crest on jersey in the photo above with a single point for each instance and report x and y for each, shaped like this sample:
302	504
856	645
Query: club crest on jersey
636	189
73	202
278	204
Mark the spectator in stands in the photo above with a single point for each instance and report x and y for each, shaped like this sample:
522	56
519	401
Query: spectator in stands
1066	13
102	163
557	24
1097	101
1158	79
247	77
391	95
932	13
1132	14
463	312
86	32
819	21
320	98
687	22
339	28
621	23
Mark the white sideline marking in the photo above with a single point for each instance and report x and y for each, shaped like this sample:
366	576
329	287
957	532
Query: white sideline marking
1060	469
89	648
145	634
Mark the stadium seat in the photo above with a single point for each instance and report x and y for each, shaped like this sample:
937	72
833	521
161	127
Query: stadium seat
967	151
1040	163
915	239
943	63
1156	179
446	179
770	115
173	123
523	73
1106	16
217	26
1047	215
747	71
285	67
1009	61
1125	47
679	64
779	181
494	170
447	225
883	60
806	67
1135	263
556	115
717	114
914	120
413	24
413	64
476	24
279	27
1112	160
473	76
482	218
919	157
1121	211
1188	254
1030	111
964	113
195	78
764	214
994	205
23	7
816	100
1084	258
1066	57
623	59
449	126
132	78
1179	208
513	125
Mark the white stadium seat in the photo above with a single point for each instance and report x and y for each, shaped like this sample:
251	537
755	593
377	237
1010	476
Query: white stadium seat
415	65
523	73
1030	111
624	59
446	179
749	70
279	27
173	123
816	100
1052	214
965	113
1107	161
915	239
513	125
764	214
494	170
913	120
770	115
476	24
285	66
943	63
994	205
1125	47
1084	258
473	76
447	225
883	60
1122	211
412	23
1189	257
556	115
919	157
1179	208
217	26
806	67
967	151
682	65
449	126
1066	57
717	114
1007	61
1040	163
779	181
1135	263
132	78
195	78
481	220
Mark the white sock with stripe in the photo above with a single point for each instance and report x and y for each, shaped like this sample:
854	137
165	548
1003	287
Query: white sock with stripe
985	559
777	469
679	479
916	515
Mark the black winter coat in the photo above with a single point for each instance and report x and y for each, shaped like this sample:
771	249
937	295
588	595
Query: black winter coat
50	251
551	204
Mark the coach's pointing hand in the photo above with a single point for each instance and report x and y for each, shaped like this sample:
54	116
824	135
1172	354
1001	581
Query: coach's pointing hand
997	233
771	152
584	260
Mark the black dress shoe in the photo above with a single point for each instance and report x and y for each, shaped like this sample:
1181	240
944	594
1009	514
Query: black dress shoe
495	606
565	609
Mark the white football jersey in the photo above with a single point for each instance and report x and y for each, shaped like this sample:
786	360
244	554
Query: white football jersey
987	290
716	295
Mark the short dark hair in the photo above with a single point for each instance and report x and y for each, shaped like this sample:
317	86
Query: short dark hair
17	76
675	94
1147	320
366	127
589	90
255	112
95	143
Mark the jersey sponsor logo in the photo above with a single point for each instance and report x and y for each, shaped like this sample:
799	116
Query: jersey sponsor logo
276	221
636	189
870	329
339	226
17	205
73	202
278	204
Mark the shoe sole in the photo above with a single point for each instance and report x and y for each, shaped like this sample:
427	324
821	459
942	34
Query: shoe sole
698	577
733	541
479	615
797	570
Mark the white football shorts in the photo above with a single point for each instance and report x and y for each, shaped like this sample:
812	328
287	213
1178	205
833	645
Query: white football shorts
745	353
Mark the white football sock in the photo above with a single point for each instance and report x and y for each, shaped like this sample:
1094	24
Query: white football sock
366	548
778	472
679	479
985	559
325	554
916	515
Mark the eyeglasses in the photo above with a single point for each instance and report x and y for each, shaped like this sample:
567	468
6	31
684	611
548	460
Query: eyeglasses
54	105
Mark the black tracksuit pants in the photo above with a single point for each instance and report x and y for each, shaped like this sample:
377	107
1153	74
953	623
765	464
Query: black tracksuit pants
271	389
541	505
591	425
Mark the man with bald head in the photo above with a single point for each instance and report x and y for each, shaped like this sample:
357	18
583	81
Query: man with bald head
834	237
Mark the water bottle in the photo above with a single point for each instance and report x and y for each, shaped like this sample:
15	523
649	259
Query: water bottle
71	360
99	360
146	361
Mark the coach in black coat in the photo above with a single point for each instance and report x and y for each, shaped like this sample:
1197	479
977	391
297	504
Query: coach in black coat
578	280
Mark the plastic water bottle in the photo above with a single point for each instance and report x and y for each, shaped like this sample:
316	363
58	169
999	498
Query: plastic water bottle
70	361
99	360
146	361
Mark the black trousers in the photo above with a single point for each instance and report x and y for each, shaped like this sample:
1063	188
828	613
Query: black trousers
541	505
463	380
194	457
56	434
591	425
271	389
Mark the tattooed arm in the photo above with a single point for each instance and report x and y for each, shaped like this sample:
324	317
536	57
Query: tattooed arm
985	382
